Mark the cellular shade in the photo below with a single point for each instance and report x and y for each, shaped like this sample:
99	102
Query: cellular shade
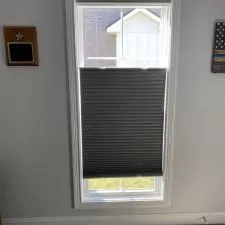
122	121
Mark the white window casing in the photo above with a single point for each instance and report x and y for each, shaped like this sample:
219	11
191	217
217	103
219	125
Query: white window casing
73	28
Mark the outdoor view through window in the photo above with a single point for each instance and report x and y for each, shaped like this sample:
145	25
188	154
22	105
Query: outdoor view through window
125	37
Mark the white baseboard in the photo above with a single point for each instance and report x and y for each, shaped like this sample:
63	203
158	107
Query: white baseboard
156	219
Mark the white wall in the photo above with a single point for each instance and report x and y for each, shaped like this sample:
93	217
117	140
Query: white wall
34	149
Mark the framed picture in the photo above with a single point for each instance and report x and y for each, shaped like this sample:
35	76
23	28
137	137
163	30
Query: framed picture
21	46
218	57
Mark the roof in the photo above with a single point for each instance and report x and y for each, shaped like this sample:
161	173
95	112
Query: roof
115	28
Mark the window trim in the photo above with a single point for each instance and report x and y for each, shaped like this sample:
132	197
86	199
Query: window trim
73	85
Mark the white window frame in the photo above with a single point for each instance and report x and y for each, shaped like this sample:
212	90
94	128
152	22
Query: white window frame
74	90
124	195
154	195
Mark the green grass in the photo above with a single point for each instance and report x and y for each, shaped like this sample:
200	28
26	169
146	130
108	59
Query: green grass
134	183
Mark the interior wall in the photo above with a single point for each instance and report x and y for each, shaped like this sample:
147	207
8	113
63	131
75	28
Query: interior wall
34	153
34	146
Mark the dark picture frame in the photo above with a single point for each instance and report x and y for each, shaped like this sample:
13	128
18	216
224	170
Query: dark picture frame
21	46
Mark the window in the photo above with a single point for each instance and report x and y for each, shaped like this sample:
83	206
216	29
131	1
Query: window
122	189
124	36
122	50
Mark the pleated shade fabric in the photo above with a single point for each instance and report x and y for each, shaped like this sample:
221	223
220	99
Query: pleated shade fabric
122	114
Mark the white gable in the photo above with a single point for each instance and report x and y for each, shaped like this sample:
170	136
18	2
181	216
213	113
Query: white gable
138	17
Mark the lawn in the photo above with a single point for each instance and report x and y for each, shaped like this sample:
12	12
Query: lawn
134	183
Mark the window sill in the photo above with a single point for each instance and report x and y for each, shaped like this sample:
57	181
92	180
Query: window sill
113	200
121	199
120	204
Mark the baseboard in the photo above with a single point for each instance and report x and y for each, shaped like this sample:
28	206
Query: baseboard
156	219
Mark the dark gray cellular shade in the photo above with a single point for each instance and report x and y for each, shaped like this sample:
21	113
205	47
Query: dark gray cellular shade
122	121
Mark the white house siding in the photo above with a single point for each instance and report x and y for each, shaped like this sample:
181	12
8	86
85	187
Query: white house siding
140	40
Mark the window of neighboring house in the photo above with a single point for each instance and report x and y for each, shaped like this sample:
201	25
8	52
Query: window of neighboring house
120	37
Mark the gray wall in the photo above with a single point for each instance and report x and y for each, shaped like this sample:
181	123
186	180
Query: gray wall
34	153
34	150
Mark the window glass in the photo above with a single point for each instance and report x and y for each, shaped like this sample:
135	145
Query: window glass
126	37
123	37
120	184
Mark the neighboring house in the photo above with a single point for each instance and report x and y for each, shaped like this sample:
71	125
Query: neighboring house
139	44
103	45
